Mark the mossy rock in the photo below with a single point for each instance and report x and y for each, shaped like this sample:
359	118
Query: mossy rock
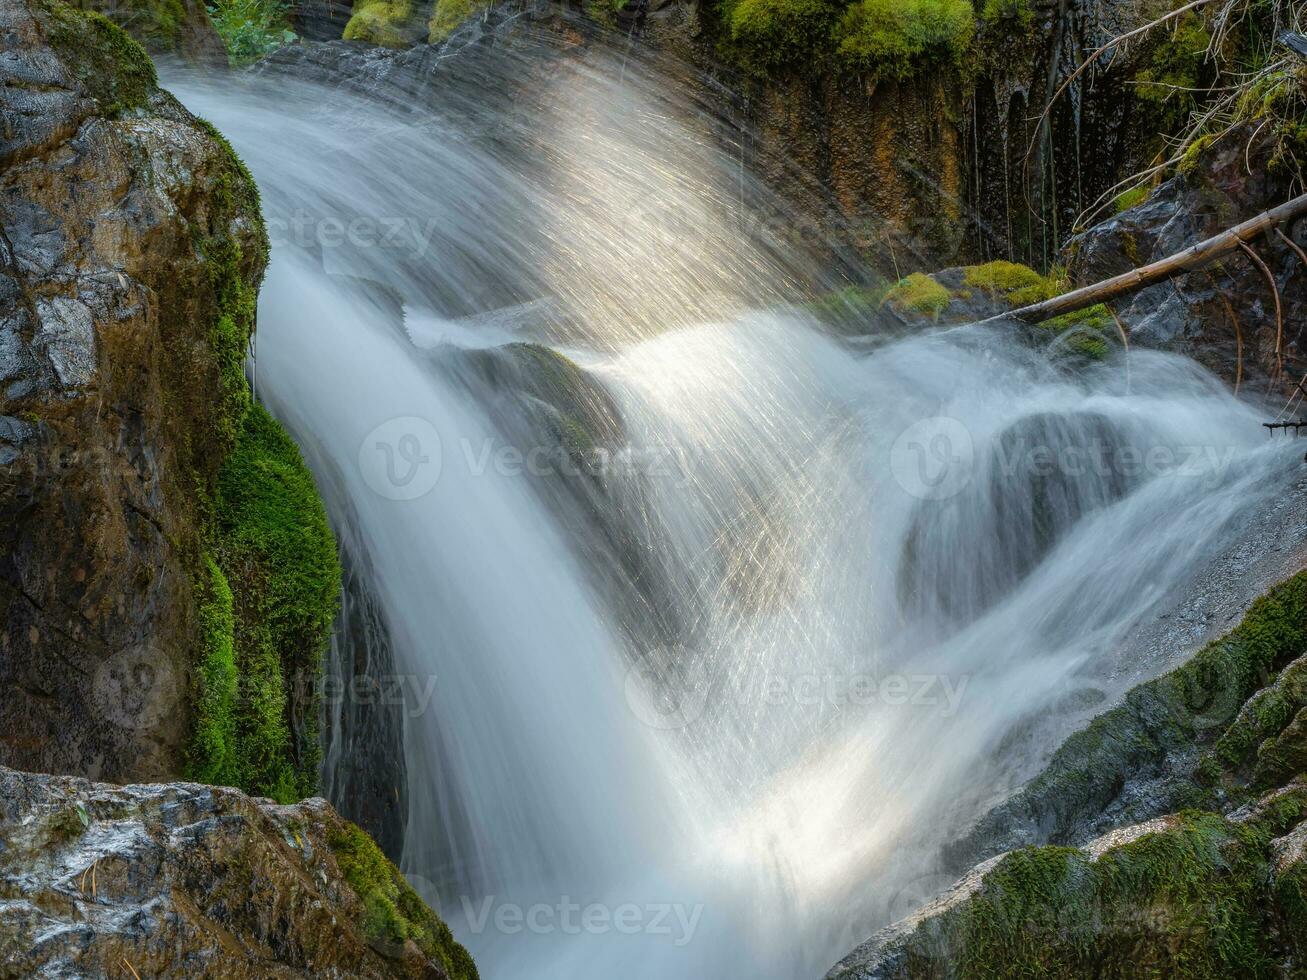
919	294
395	914
899	38
392	23
112	68
1163	725
266	612
447	15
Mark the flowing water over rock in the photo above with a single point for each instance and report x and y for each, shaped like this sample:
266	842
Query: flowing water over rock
717	624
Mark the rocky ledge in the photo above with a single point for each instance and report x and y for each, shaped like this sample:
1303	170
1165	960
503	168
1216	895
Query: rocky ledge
185	880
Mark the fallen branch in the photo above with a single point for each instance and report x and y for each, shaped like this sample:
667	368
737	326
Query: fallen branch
1194	257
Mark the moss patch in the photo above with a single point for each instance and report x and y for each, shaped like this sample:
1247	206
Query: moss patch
389	23
275	548
449	14
1189	900
394	912
898	38
113	69
767	35
920	294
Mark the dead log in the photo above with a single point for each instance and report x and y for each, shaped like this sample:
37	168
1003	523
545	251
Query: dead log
1193	257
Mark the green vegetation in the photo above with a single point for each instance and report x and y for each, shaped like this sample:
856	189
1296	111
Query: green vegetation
251	29
448	14
920	294
1192	705
1018	284
1020	12
1191	900
389	23
772	34
274	547
1132	198
114	69
394	913
897	38
267	588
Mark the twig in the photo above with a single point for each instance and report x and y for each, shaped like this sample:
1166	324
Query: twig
1279	310
1238	332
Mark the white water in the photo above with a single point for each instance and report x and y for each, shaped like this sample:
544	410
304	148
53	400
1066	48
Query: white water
801	803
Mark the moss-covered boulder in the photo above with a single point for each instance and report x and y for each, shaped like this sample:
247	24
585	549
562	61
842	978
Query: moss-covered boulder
1190	895
167	578
181	880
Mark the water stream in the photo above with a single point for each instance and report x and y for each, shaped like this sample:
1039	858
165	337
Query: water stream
711	714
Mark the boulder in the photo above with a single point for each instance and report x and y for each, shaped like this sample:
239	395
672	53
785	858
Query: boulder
183	880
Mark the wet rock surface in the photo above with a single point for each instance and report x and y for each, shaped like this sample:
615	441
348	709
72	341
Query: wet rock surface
183	880
108	392
1225	316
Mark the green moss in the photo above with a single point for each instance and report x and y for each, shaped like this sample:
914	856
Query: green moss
448	14
1193	705
1176	71
1021	13
394	913
1019	284
1132	198
154	23
213	756
1188	900
389	23
899	38
275	548
920	294
113	69
767	35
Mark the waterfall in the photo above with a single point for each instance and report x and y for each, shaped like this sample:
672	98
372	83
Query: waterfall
709	705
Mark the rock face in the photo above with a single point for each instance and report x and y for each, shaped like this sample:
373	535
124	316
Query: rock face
116	205
1225	316
167	576
183	880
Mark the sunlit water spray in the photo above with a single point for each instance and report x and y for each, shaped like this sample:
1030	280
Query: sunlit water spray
858	575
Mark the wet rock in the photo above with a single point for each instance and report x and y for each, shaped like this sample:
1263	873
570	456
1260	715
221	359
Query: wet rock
183	880
1224	317
116	258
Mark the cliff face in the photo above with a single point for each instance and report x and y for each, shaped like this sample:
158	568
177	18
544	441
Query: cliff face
116	205
184	880
150	515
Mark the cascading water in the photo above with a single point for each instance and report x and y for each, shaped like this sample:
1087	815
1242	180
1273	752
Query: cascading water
814	615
